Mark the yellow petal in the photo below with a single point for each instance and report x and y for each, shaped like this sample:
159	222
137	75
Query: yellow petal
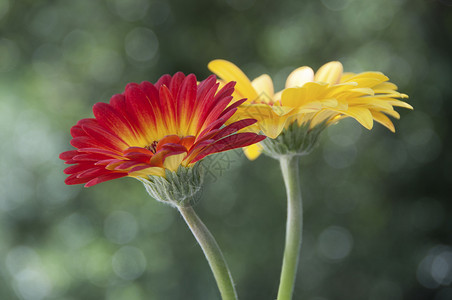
230	72
342	105
311	91
400	104
383	120
260	111
330	73
273	127
329	102
173	162
321	117
336	119
299	77
310	107
370	103
340	88
391	113
364	91
386	86
252	152
270	119
368	79
149	171
264	87
346	76
360	114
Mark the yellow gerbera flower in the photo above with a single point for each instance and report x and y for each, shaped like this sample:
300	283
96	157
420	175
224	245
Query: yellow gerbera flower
312	100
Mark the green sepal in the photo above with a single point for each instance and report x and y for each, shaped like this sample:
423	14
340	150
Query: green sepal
180	188
295	140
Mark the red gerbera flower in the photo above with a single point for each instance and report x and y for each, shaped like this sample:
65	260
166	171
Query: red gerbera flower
151	128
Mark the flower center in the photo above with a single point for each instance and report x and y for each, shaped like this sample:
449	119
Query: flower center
152	146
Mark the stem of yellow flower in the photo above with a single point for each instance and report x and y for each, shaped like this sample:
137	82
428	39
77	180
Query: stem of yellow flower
294	226
212	252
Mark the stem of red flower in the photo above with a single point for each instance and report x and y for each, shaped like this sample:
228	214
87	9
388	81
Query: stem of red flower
212	252
294	226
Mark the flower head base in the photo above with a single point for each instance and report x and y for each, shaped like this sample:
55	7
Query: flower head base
180	188
295	140
311	100
153	129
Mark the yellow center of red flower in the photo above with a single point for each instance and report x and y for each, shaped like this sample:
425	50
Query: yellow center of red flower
152	146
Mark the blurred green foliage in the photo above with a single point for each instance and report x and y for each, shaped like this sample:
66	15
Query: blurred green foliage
377	205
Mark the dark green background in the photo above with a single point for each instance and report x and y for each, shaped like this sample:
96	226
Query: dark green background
377	205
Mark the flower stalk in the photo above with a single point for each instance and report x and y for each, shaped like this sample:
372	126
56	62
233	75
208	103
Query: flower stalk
294	226
212	252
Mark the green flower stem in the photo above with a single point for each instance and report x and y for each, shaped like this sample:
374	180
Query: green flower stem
212	252
294	226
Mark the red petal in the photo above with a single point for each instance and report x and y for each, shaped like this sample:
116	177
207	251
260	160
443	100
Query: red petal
77	131
169	150
136	156
150	91
234	127
164	80
100	151
113	163
204	104
218	109
215	125
93	157
139	168
93	172
167	106
186	99
226	91
127	165
175	84
140	107
107	162
77	168
187	141
167	139
104	178
212	126
74	180
233	106
118	102
205	86
174	148
198	147
215	108
235	141
115	121
103	136
68	154
89	142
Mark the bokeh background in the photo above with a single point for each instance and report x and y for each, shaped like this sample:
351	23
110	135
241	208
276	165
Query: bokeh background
377	205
